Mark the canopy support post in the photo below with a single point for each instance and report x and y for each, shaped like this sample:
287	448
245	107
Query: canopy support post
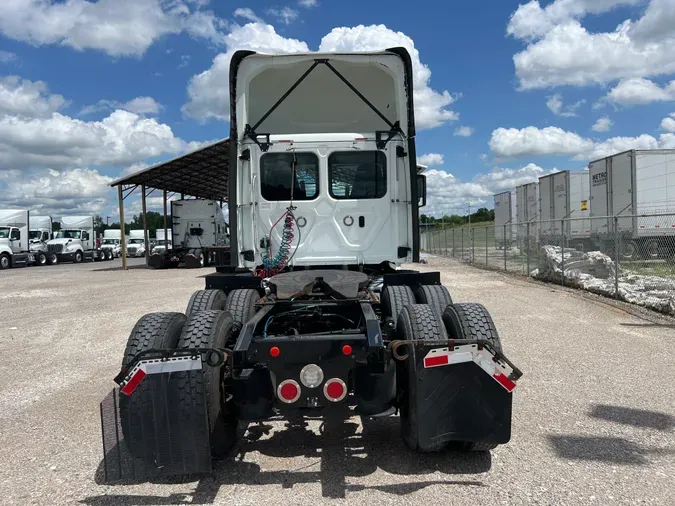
123	243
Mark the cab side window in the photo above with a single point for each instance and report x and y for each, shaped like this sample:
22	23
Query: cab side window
357	175
15	235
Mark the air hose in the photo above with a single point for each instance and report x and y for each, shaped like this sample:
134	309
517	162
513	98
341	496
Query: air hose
274	264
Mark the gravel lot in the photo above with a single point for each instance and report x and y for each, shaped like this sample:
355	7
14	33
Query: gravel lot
594	415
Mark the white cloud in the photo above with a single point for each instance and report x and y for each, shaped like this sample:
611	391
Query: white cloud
532	141
247	14
77	191
7	57
556	106
138	105
431	159
553	141
308	3
286	15
668	124
464	131
504	179
184	61
133	168
26	98
530	21
208	92
562	52
603	125
117	27
122	138
430	105
639	91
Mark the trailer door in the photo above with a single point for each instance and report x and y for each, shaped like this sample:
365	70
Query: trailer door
599	197
621	181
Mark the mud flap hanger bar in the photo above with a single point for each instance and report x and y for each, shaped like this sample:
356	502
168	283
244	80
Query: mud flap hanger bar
394	128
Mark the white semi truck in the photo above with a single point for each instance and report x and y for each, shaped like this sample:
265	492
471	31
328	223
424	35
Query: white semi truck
136	244
76	241
505	219
634	186
564	205
112	241
40	233
14	239
161	243
199	233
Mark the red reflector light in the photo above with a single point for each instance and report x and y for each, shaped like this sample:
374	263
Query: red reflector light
274	351
133	382
288	391
335	390
347	350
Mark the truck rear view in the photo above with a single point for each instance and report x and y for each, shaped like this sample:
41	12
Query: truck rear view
314	316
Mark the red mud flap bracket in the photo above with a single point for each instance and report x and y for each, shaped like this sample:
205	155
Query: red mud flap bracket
158	366
460	390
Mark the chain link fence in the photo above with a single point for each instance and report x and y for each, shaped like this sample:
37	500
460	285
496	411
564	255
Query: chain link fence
627	257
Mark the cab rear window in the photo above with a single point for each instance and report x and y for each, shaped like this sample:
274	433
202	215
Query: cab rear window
276	172
357	175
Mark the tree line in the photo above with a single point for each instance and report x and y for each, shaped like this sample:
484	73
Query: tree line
483	214
155	222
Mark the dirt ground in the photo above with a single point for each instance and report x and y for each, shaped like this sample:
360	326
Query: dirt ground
594	414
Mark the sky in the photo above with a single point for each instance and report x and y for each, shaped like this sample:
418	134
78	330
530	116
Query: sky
505	92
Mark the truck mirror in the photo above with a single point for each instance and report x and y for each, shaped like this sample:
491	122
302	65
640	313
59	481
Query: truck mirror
15	235
421	190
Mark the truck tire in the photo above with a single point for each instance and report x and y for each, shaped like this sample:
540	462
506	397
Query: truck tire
415	322
471	321
152	331
241	305
650	250
209	329
41	258
77	257
206	300
53	259
5	261
436	296
394	299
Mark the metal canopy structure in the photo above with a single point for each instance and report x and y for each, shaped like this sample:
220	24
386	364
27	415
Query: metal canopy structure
203	174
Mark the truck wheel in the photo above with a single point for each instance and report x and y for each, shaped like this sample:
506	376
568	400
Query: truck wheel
201	259
209	329
5	261
53	259
241	305
436	296
471	321
395	298
206	300
651	249
415	322
628	250
152	331
41	259
77	257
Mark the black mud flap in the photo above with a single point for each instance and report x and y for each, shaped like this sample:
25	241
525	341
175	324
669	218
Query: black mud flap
157	261
456	398
160	429
192	261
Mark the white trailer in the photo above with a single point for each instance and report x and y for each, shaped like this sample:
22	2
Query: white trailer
40	233
14	239
76	241
505	219
527	212
564	206
633	186
199	233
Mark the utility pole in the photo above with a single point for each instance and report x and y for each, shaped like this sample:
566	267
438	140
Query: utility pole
469	204
107	220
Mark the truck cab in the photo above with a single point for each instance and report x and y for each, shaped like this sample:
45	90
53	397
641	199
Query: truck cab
336	178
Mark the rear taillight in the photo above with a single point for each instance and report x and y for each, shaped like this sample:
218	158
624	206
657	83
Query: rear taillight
335	389
288	391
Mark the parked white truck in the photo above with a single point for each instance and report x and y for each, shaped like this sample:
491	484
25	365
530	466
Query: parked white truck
14	239
40	232
564	205
136	244
634	186
112	242
76	241
505	219
199	232
162	244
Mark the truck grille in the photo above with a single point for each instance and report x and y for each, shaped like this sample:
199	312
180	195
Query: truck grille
132	250
55	248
